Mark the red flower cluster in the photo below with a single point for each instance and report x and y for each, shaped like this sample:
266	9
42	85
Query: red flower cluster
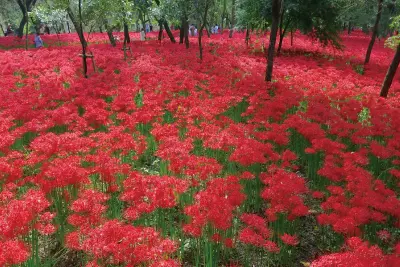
216	205
116	243
144	194
359	254
283	192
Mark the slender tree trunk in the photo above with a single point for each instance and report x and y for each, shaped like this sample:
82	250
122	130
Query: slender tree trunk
160	24
232	18
27	26
79	29
390	73
84	44
207	31
200	44
77	26
276	8
282	31
291	37
223	16
126	33
349	28
186	32
2	29
109	31
21	27
68	27
375	32
201	29
247	35
25	7
100	29
181	33
168	30
281	36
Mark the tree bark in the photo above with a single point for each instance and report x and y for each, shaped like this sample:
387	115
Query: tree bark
160	24
232	18
126	33
68	27
77	26
201	29
223	16
390	73
282	31
181	33
168	30
291	37
109	31
29	5
375	32
2	29
186	32
79	30
27	25
276	9
247	35
207	31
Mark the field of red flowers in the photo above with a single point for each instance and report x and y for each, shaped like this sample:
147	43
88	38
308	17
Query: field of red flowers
166	160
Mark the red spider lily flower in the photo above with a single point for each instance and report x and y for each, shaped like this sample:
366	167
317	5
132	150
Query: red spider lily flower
290	240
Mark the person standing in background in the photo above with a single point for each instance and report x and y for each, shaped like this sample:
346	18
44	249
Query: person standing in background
38	40
9	30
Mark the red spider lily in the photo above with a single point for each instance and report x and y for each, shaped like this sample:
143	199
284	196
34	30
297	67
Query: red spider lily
215	204
282	191
290	239
147	193
117	243
359	254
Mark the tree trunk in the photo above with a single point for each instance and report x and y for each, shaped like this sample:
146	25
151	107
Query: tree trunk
2	29
281	36
232	19
79	29
375	31
200	45
126	33
186	32
25	7
291	37
247	35
223	16
349	28
160	24
77	26
207	31
282	31
68	27
21	27
110	34
82	37
390	73
201	29
181	33
168	30
276	9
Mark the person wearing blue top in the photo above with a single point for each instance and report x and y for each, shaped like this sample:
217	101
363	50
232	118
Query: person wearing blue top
38	40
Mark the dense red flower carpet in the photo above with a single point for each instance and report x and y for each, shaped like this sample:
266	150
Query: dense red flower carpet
164	160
